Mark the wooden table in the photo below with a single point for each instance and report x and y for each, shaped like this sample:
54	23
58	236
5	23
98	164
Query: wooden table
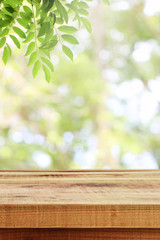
79	205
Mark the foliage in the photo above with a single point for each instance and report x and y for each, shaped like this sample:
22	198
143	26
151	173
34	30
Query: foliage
41	25
88	117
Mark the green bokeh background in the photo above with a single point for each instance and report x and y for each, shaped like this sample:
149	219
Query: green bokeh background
101	111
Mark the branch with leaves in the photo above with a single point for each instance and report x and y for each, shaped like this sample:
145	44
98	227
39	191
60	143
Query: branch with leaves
41	25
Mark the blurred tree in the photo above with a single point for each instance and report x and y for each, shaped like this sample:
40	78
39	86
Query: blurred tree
53	119
102	111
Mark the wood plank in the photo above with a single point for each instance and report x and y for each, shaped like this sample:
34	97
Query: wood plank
80	199
80	234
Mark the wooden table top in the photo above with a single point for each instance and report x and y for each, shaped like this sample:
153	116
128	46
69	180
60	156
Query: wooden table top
80	199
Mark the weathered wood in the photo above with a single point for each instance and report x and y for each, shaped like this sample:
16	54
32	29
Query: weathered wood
79	234
80	199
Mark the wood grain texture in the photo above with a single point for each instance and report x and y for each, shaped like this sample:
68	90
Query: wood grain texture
80	199
80	234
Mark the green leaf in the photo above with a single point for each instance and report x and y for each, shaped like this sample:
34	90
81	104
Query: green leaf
4	23
15	40
83	5
87	24
48	63
32	58
49	5
30	48
5	55
62	10
44	28
29	37
51	44
59	20
9	49
72	7
9	9
67	29
31	26
19	32
2	42
48	36
43	16
52	18
36	68
83	12
44	5
23	23
4	32
8	17
27	10
67	52
45	52
47	73
40	39
25	16
70	39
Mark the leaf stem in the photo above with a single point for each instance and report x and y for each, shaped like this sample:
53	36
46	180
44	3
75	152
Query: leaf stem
35	27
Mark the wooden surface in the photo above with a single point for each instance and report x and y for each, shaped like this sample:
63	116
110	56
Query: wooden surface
80	199
79	234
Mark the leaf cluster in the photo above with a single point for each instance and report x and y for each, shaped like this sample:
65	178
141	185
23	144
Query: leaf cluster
40	25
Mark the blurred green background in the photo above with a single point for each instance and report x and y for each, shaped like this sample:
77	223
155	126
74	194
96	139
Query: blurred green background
102	110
